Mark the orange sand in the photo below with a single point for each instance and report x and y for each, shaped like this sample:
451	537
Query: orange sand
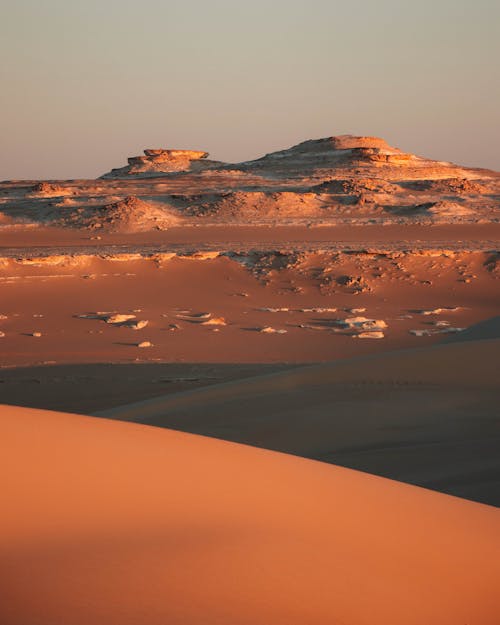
109	523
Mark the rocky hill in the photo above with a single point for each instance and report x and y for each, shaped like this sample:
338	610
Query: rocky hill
335	180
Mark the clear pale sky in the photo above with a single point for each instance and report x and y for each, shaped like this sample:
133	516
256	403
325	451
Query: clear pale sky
84	84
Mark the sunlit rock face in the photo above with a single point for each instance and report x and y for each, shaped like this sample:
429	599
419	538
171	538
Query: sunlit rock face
339	157
157	161
341	179
351	156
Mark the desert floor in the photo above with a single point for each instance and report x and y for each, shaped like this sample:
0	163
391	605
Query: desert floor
258	347
220	311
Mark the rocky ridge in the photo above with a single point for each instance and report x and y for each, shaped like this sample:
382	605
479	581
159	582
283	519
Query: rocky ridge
335	180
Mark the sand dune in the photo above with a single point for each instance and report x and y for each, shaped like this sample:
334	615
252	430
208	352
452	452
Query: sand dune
116	523
488	329
424	416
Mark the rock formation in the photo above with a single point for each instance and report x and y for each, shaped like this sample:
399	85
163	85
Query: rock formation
132	215
362	156
160	161
335	180
345	158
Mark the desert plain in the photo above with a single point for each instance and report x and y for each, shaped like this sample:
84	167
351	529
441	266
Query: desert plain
289	368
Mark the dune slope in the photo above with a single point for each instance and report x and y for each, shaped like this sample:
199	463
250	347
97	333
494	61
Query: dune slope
117	523
425	416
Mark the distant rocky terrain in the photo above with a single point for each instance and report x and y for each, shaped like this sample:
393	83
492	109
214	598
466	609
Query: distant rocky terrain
336	180
185	272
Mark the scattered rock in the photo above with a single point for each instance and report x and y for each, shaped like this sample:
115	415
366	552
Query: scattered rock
193	317
369	335
319	310
437	311
145	344
363	324
118	318
421	332
270	330
215	321
137	325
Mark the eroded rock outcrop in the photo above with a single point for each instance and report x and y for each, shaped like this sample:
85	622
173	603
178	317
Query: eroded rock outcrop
365	156
342	180
133	215
47	189
163	161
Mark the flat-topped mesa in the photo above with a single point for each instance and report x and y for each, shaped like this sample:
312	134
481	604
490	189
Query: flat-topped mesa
158	161
338	157
350	142
165	160
160	154
350	155
342	146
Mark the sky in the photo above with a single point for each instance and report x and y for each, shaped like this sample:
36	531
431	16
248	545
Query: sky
85	84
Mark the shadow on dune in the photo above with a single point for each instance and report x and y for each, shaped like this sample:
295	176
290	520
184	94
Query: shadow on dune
426	416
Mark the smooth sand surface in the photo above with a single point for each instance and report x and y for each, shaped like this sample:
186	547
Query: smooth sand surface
66	387
117	523
428	416
46	237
